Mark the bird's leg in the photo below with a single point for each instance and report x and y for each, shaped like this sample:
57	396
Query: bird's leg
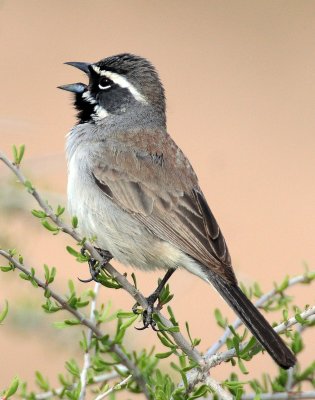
94	271
148	312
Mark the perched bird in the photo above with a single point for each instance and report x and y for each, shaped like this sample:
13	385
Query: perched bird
133	189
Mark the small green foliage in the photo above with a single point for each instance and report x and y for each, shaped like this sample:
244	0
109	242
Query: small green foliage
60	210
257	292
52	228
165	295
29	186
73	368
51	307
7	268
77	254
123	323
29	277
39	213
4	312
222	322
297	344
74	222
283	285
12	388
107	280
49	274
194	342
41	382
18	153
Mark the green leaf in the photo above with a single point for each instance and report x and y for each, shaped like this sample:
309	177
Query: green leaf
18	154
25	276
41	382
60	211
74	221
39	213
164	355
284	284
300	319
50	227
257	292
7	269
72	322
12	388
15	154
242	366
29	186
222	322
73	252
166	341
122	314
4	312
73	368
66	323
200	392
297	344
71	286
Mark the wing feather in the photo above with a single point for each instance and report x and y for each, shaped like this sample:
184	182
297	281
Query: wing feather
161	190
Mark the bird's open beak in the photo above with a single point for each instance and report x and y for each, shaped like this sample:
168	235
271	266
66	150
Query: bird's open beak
77	87
74	87
80	65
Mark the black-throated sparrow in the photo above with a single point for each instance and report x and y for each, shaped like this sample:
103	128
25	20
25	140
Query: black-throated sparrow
131	186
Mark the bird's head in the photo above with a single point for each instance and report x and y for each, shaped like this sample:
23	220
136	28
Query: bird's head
117	85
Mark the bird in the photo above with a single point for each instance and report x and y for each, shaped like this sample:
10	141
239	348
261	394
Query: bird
135	192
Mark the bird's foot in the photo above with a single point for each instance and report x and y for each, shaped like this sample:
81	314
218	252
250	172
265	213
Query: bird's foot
147	314
95	267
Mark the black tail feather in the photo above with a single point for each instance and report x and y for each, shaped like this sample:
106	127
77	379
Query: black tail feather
255	322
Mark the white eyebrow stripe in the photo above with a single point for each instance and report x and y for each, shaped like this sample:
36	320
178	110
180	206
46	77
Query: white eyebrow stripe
120	81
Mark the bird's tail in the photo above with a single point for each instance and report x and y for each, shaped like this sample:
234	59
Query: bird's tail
255	322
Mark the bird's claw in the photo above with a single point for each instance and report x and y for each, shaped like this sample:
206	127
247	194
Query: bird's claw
147	315
92	262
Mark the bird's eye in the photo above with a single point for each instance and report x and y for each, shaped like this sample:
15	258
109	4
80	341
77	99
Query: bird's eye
104	83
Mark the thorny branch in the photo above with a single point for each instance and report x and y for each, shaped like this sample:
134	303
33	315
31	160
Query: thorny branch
84	321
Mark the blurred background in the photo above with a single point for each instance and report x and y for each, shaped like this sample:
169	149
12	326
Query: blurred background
240	84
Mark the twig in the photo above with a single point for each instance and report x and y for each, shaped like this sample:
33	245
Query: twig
259	303
96	379
222	394
116	387
87	362
195	376
280	396
217	359
84	321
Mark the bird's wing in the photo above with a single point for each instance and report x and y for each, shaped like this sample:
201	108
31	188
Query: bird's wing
148	176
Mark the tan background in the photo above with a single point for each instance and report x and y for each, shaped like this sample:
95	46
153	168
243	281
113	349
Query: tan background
240	83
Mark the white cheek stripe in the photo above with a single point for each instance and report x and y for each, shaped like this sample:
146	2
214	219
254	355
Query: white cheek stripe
87	96
99	111
121	81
